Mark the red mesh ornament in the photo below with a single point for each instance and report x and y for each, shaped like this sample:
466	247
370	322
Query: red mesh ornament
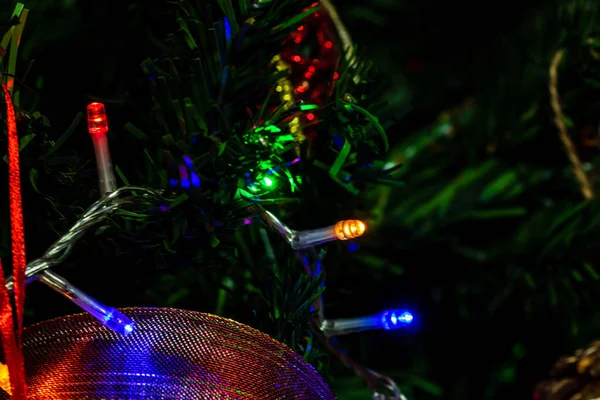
172	354
313	58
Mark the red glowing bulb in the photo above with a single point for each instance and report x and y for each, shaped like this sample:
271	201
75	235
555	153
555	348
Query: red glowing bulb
328	45
310	116
96	116
296	58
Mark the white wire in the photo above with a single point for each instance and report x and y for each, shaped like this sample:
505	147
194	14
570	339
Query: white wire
288	234
97	213
104	207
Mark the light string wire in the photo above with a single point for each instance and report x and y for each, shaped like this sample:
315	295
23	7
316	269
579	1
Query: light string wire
40	268
371	378
301	241
98	212
108	204
367	375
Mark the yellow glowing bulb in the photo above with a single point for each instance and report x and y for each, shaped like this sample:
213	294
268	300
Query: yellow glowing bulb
279	88
287	97
349	229
4	379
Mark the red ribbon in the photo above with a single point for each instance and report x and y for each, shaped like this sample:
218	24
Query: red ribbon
11	340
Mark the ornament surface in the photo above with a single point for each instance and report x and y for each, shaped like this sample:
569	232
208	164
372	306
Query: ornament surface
171	354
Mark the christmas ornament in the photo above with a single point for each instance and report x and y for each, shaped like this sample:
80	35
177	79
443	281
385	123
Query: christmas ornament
172	354
573	377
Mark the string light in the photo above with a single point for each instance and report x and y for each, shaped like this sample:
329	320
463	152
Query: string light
98	127
59	251
97	213
119	323
110	317
392	319
343	230
349	229
97	120
105	206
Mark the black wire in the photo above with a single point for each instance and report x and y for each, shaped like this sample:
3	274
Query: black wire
21	84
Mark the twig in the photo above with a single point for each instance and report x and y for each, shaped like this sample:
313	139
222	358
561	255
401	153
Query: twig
342	31
584	183
343	34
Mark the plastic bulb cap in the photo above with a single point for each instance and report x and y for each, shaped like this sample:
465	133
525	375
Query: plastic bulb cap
350	229
117	322
97	121
394	319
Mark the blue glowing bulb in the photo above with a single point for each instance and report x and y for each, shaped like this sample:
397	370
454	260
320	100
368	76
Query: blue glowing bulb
394	319
188	161
128	328
195	179
114	320
406	317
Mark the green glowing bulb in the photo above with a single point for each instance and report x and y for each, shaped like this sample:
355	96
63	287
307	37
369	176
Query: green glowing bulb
268	182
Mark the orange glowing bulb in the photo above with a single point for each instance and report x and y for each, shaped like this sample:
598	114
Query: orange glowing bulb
350	229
